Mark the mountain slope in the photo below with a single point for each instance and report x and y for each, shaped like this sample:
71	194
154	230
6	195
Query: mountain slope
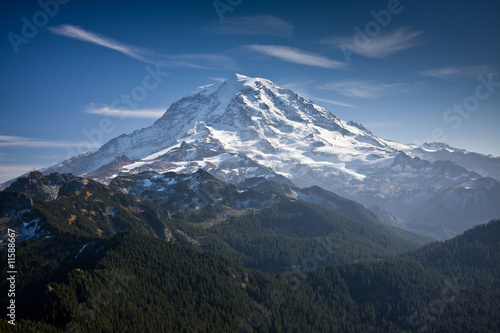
202	198
249	127
263	230
486	166
64	205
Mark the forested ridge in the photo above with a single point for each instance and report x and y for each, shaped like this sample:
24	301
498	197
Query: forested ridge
135	283
104	261
272	238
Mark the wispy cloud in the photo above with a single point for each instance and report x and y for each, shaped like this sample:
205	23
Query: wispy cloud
298	86
143	54
258	25
301	88
105	110
296	56
79	33
367	89
200	61
383	45
333	102
454	72
20	141
218	79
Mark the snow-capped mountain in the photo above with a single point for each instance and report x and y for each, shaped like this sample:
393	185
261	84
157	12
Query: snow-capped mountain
247	121
249	127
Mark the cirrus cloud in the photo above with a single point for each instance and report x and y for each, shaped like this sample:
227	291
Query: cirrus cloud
106	110
382	45
257	25
454	71
368	89
297	56
21	141
196	60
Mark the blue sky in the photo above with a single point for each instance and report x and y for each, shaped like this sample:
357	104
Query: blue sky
75	73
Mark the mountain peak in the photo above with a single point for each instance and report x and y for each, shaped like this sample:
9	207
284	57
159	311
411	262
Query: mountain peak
239	77
242	101
232	85
252	118
248	127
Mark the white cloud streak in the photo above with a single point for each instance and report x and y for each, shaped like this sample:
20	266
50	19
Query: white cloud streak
366	89
20	141
296	56
454	72
204	61
379	46
79	33
333	102
299	86
258	25
218	79
121	113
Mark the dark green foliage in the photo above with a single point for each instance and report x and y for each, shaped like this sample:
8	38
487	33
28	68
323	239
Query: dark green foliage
283	235
28	326
259	226
106	268
347	207
131	283
135	283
